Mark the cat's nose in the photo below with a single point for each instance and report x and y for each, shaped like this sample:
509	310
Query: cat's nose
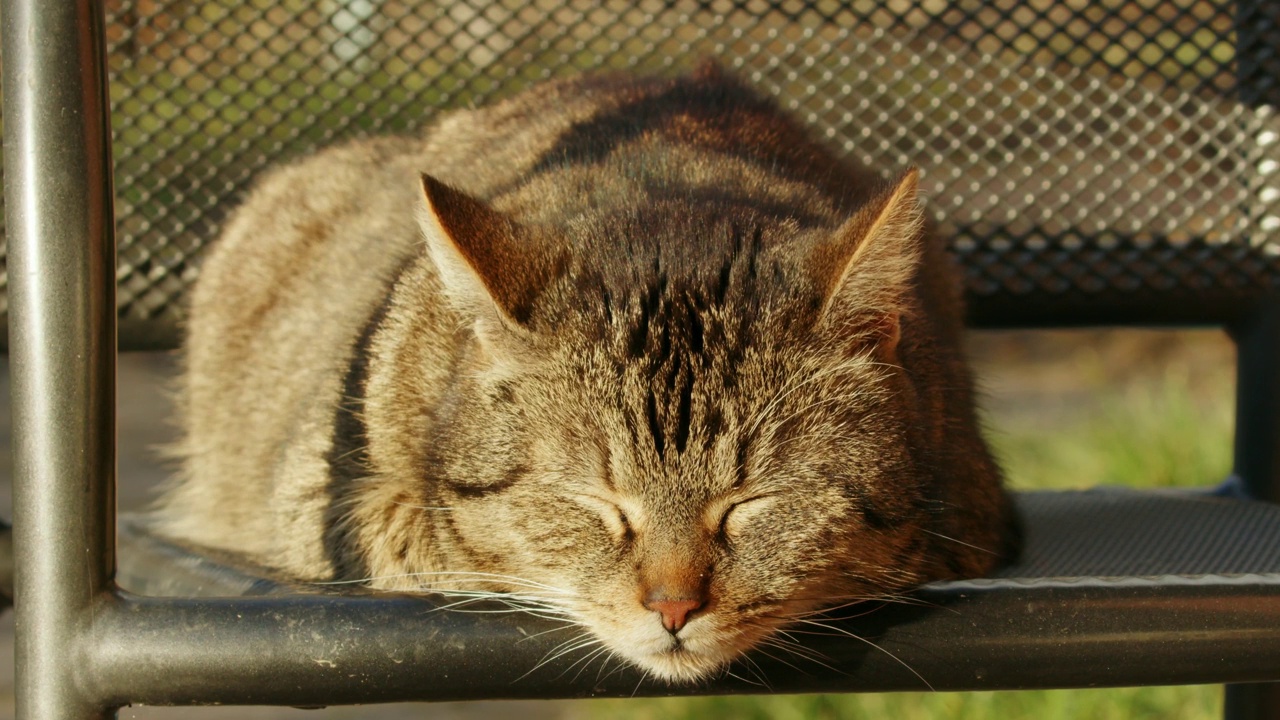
675	613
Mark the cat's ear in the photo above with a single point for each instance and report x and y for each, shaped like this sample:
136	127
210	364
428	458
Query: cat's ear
867	269
486	264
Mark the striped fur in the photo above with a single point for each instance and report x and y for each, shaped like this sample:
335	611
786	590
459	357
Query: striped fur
629	342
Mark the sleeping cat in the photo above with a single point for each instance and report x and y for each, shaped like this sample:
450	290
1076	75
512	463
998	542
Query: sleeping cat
638	350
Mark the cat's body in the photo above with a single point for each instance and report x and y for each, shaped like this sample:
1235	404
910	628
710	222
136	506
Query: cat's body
662	362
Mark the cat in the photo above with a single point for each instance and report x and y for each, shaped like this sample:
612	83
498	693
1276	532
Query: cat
637	350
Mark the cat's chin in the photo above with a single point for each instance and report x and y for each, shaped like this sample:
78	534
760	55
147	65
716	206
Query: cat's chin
697	653
680	666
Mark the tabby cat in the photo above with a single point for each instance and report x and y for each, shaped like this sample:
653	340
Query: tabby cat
638	350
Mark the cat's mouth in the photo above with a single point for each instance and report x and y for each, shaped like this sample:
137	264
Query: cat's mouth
706	644
698	651
677	647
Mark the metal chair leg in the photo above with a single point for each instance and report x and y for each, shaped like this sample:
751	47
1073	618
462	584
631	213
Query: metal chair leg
1257	462
58	203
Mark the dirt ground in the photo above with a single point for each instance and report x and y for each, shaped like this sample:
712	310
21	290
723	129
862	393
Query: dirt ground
1039	379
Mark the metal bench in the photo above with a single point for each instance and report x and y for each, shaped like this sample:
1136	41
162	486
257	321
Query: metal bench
1109	163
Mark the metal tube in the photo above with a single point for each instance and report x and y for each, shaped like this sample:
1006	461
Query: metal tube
1257	461
1257	441
329	650
58	199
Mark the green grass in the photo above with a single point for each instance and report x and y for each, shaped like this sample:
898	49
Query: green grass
1155	703
1167	429
1158	432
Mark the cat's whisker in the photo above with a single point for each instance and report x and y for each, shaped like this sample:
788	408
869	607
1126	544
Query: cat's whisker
873	604
905	601
462	575
850	602
540	611
640	682
571	645
785	641
782	637
458	600
828	617
493	576
601	676
351	452
959	542
783	633
366	579
585	661
536	607
460	606
565	626
518	601
761	649
565	643
605	657
586	658
859	638
552	618
739	678
499	595
940	504
512	599
806	654
757	671
846	617
795	648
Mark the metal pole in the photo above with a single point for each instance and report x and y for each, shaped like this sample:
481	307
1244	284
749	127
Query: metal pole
342	649
1257	442
62	342
1257	461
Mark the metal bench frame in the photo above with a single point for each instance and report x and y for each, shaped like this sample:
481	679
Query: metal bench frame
85	648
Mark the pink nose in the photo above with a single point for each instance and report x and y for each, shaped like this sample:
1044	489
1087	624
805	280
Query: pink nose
675	613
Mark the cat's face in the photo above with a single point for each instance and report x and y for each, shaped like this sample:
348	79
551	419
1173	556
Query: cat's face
694	437
683	506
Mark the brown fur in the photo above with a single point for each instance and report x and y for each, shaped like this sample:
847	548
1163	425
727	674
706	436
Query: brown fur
659	351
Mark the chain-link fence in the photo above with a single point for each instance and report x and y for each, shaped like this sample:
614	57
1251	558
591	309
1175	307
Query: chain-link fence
1071	149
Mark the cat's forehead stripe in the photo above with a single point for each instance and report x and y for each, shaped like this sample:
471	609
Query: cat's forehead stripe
671	329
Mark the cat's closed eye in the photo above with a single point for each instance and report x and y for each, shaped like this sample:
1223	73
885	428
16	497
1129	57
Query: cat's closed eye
624	532
615	520
740	514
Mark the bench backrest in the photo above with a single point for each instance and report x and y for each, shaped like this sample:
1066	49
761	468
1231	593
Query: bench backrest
1108	162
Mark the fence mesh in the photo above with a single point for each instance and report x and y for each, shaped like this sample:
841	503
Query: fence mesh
1067	148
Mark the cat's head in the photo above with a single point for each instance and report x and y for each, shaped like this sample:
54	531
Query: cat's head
684	448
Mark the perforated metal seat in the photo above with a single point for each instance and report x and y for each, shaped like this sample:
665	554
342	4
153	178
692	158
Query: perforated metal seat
1110	162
